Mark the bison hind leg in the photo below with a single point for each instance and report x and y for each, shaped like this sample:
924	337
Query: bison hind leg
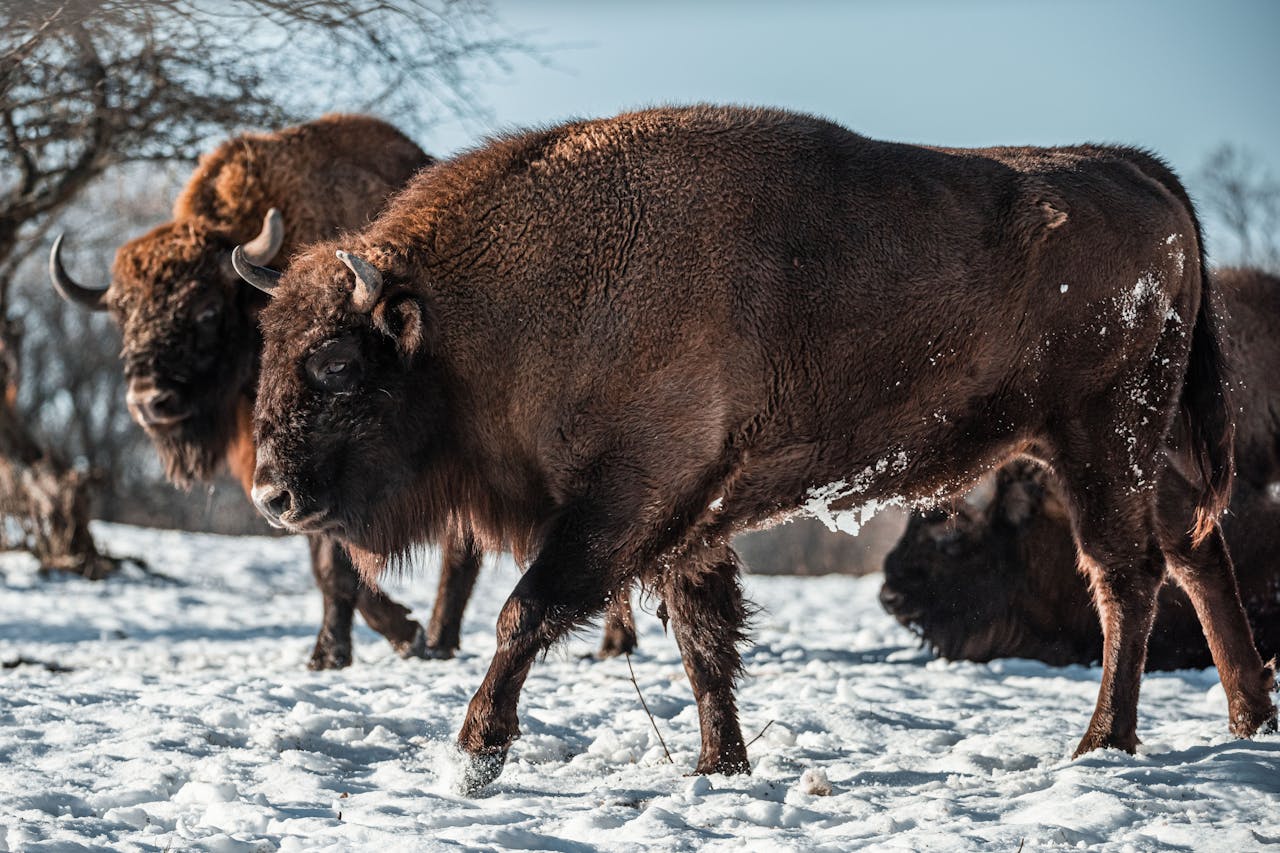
1207	576
708	615
1117	548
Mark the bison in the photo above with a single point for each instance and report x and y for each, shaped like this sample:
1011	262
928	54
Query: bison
997	576
614	343
192	342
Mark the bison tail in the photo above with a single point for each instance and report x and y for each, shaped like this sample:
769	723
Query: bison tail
1210	419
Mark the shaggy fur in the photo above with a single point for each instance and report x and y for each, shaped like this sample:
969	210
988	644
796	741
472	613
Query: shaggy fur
999	579
614	343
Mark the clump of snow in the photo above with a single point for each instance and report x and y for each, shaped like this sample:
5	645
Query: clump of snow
1175	254
188	721
820	500
1133	302
814	782
1062	288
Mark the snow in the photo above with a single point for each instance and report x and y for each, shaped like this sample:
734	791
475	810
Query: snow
187	721
820	500
1149	286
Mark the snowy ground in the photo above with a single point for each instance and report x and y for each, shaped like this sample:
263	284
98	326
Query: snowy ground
187	721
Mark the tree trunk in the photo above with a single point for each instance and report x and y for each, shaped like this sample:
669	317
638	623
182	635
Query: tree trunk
39	492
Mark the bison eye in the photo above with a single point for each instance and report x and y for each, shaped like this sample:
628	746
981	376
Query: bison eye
334	366
207	316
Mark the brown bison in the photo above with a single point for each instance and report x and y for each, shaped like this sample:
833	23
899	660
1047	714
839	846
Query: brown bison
191	328
997	576
614	343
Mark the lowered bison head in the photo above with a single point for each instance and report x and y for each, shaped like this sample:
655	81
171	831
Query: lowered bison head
994	578
190	336
351	405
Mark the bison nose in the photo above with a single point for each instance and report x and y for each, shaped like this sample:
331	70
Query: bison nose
272	501
152	406
890	598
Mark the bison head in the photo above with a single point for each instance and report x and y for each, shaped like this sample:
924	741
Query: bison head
190	336
351	407
996	577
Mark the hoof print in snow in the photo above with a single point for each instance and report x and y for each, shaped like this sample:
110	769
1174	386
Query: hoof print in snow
477	771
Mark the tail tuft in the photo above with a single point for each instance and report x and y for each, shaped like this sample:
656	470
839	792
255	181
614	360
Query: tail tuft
1210	419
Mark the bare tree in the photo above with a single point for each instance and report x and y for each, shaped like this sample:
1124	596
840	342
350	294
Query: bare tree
1244	198
88	85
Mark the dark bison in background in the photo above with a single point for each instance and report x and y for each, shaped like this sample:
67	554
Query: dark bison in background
997	577
614	343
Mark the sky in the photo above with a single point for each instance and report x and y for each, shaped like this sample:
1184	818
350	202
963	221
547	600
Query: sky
1175	76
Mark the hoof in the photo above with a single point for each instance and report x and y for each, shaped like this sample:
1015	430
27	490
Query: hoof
1253	711
476	771
415	647
1250	723
326	657
612	648
1092	741
418	647
438	652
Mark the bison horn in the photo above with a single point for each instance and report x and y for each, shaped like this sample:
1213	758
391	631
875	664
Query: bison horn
368	281
261	250
260	277
68	289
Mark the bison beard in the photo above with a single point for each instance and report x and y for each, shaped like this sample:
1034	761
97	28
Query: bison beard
998	576
615	343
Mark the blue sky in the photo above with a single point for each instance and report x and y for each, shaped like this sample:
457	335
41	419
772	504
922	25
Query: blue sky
1179	77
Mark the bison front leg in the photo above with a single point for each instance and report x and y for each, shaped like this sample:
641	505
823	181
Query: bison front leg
339	585
383	614
459	567
568	583
708	614
619	627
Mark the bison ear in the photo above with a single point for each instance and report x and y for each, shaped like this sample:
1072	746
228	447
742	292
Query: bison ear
403	318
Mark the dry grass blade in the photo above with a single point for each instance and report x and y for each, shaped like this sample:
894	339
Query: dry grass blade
645	705
760	734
